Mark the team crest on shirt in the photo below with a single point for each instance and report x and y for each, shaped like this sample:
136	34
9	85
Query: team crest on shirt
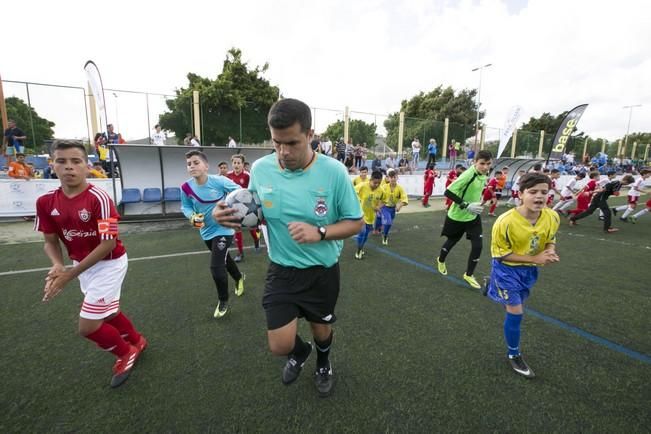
534	243
321	209
84	215
221	243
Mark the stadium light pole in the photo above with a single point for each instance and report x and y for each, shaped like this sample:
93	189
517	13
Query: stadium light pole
117	117
480	69
628	126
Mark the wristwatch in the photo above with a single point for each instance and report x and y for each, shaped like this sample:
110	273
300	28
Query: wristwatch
322	232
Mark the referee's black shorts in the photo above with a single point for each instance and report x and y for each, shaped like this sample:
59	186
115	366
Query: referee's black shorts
291	293
456	229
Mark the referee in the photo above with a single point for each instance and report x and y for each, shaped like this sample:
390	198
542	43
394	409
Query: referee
310	206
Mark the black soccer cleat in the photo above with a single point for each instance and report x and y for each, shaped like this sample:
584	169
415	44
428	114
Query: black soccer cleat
520	366
293	367
614	210
324	380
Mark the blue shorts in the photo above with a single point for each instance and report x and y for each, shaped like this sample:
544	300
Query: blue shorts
510	284
10	150
387	214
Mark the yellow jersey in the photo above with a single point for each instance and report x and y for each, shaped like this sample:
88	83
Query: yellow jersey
359	180
370	200
395	196
512	233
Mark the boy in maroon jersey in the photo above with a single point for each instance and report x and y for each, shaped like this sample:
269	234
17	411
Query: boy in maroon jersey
489	194
452	175
84	218
241	178
428	184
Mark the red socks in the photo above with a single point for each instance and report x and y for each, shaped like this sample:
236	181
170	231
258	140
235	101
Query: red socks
239	243
108	338
254	234
492	208
124	326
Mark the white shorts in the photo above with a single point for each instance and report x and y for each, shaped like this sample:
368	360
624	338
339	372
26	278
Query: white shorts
101	285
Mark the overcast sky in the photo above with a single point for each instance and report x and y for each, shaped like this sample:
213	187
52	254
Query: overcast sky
546	55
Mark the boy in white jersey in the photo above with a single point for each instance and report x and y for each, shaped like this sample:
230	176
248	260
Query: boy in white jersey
567	194
634	193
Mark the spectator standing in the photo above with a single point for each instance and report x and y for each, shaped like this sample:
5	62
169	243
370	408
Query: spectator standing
158	137
415	152
452	152
341	149
432	148
194	141
326	146
231	142
14	140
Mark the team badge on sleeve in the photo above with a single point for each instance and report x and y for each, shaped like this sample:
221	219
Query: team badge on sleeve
108	226
321	209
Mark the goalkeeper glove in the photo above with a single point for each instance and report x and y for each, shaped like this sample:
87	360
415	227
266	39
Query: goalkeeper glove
196	220
475	208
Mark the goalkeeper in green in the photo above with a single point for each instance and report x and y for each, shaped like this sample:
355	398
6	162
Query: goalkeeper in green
464	215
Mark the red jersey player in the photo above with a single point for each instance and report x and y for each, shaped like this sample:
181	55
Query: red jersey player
240	177
428	184
452	176
83	217
490	193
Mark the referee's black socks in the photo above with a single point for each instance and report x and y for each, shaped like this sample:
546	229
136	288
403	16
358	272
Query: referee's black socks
301	349
323	351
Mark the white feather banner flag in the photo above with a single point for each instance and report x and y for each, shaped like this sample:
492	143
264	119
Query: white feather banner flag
509	127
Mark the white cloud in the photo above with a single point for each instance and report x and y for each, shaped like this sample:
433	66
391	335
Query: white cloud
547	56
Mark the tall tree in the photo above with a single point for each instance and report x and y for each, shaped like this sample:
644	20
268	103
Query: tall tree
239	96
20	112
425	113
360	131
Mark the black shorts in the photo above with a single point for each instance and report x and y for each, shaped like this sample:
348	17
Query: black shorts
456	229
291	293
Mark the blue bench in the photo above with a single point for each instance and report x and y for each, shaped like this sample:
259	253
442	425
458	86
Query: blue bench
130	195
172	194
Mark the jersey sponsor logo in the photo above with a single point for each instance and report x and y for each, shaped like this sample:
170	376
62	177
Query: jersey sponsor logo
70	234
17	204
55	212
108	226
327	317
321	209
101	300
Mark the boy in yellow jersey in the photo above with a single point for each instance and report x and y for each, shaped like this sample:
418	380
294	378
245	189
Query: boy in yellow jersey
523	238
371	198
396	198
362	177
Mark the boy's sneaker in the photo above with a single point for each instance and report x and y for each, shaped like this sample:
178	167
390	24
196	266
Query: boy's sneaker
571	222
257	245
123	366
611	230
385	241
624	219
324	380
221	309
358	254
239	286
294	366
443	269
491	214
614	210
471	281
238	258
520	366
141	344
484	288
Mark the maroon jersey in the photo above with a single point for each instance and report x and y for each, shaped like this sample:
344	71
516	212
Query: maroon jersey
81	222
242	179
452	175
429	178
492	184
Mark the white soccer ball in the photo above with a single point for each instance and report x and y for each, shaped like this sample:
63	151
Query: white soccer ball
247	207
